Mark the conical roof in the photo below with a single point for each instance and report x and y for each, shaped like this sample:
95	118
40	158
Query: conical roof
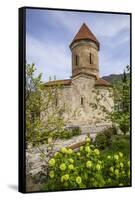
85	33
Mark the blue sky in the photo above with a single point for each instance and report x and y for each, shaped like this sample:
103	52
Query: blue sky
49	33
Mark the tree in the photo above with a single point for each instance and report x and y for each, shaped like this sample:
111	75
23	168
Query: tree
120	93
121	113
44	114
43	118
33	102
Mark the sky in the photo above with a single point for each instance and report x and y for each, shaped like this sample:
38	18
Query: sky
49	34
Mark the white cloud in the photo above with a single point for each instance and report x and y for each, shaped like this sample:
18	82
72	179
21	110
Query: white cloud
109	25
49	58
103	24
54	58
110	65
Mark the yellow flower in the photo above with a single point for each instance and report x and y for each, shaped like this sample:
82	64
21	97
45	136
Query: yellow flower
123	172
69	151
51	174
71	160
116	172
63	150
78	153
111	169
121	184
121	165
87	149
78	180
88	139
70	167
52	162
96	151
56	154
62	178
98	167
120	154
128	163
62	167
88	164
109	157
81	148
66	176
116	157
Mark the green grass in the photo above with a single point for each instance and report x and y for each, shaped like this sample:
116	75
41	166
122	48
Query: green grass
120	143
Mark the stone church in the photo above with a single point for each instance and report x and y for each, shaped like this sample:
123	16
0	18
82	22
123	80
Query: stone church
88	97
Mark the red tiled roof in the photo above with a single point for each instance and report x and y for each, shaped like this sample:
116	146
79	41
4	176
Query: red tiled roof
58	82
102	82
85	33
99	82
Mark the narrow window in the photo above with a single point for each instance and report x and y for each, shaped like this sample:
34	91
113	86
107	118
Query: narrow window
56	101
82	101
91	58
76	60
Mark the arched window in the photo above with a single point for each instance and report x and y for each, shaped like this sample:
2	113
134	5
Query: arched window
76	60
91	56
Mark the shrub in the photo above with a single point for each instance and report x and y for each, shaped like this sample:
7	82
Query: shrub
121	143
85	169
112	130
104	139
116	170
70	132
75	131
100	141
123	120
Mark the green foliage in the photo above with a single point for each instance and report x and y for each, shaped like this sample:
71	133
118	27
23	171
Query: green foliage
70	132
44	119
33	103
86	169
101	141
115	78
75	131
104	139
122	119
116	170
120	92
121	113
120	143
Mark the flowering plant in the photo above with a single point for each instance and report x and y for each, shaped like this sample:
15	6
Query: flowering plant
85	169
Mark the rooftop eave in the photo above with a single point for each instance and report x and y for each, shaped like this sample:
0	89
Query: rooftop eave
103	85
97	43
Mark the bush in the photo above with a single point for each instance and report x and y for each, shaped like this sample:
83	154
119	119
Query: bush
76	131
70	132
85	169
112	130
121	143
123	120
104	139
100	141
116	170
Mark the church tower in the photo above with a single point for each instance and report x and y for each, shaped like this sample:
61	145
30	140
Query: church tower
84	48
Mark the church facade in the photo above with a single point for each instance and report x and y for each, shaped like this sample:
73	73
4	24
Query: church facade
88	97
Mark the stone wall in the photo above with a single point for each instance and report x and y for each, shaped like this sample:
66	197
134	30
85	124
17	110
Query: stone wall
83	49
84	114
